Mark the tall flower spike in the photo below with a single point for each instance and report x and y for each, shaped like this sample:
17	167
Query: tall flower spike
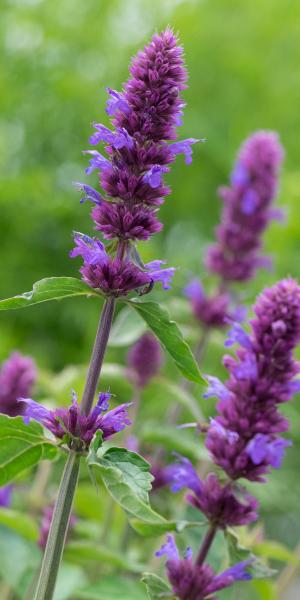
243	438
247	209
145	358
76	429
17	377
190	581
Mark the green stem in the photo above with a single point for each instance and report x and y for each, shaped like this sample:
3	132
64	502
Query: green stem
58	530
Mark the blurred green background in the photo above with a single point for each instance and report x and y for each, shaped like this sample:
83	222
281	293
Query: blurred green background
57	57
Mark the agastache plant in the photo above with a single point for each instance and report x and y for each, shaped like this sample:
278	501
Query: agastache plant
243	439
247	211
138	151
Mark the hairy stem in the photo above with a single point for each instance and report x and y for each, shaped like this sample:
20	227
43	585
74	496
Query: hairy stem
206	544
97	355
58	529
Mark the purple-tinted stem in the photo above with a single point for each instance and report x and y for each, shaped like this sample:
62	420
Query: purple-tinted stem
206	544
97	355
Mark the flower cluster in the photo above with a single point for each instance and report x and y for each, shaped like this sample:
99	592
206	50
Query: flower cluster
247	209
246	213
145	359
243	438
144	117
190	581
17	377
73	427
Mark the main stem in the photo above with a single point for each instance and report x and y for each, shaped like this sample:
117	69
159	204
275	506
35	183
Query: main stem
62	510
58	529
206	544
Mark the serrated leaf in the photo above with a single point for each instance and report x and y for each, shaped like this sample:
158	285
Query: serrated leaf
157	588
21	446
127	328
237	553
170	336
20	523
126	476
51	288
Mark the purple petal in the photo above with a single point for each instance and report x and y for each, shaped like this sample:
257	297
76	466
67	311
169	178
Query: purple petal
170	549
184	147
34	410
247	368
154	177
194	290
183	475
238	571
158	274
239	175
90	193
98	161
91	249
250	201
216	388
237	335
116	102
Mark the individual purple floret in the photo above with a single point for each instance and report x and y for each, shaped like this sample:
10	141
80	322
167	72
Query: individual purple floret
243	438
145	359
17	377
45	526
75	428
115	276
247	209
5	496
190	581
144	116
223	504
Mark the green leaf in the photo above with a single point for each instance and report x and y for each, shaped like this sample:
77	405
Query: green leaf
127	328
113	588
21	446
153	529
20	523
127	479
237	553
156	587
52	288
70	578
84	553
169	438
17	557
276	551
175	393
266	589
170	336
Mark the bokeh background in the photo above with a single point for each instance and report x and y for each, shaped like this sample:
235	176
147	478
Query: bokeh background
56	59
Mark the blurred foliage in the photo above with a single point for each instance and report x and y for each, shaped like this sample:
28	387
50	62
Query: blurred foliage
56	60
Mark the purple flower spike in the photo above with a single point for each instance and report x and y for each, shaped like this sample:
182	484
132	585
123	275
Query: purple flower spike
145	359
247	208
211	311
190	581
183	475
17	378
261	377
77	430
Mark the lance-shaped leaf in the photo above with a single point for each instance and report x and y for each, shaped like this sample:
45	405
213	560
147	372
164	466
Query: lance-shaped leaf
170	336
157	588
21	446
148	529
126	477
51	288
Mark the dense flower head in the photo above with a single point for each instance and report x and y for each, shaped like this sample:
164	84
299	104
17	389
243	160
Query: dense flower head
145	358
46	523
116	276
211	311
243	438
75	428
223	504
17	377
247	209
190	581
144	119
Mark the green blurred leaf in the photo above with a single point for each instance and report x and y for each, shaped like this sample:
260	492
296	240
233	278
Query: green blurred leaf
52	288
173	440
175	393
170	336
156	587
21	446
155	529
276	551
127	328
266	589
127	479
85	552
238	553
20	523
17	556
113	588
70	578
